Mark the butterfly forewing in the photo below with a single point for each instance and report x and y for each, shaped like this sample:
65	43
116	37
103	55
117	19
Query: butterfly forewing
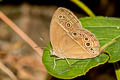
66	18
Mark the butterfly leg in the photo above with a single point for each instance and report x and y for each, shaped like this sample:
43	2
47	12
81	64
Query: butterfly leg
67	61
54	64
60	59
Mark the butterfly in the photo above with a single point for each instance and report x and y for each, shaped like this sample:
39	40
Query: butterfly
69	39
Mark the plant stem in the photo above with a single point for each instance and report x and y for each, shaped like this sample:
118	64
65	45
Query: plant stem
7	71
84	7
117	70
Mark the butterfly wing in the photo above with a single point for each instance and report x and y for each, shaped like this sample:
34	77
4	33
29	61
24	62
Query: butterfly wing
63	46
63	29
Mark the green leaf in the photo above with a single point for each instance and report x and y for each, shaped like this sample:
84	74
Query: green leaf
100	21
105	29
78	67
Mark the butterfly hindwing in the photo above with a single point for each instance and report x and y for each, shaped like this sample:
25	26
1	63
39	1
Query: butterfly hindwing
86	40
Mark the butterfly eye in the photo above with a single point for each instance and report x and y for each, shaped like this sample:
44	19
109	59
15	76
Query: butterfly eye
61	17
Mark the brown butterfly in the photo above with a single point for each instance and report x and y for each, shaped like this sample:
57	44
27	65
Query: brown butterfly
69	39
